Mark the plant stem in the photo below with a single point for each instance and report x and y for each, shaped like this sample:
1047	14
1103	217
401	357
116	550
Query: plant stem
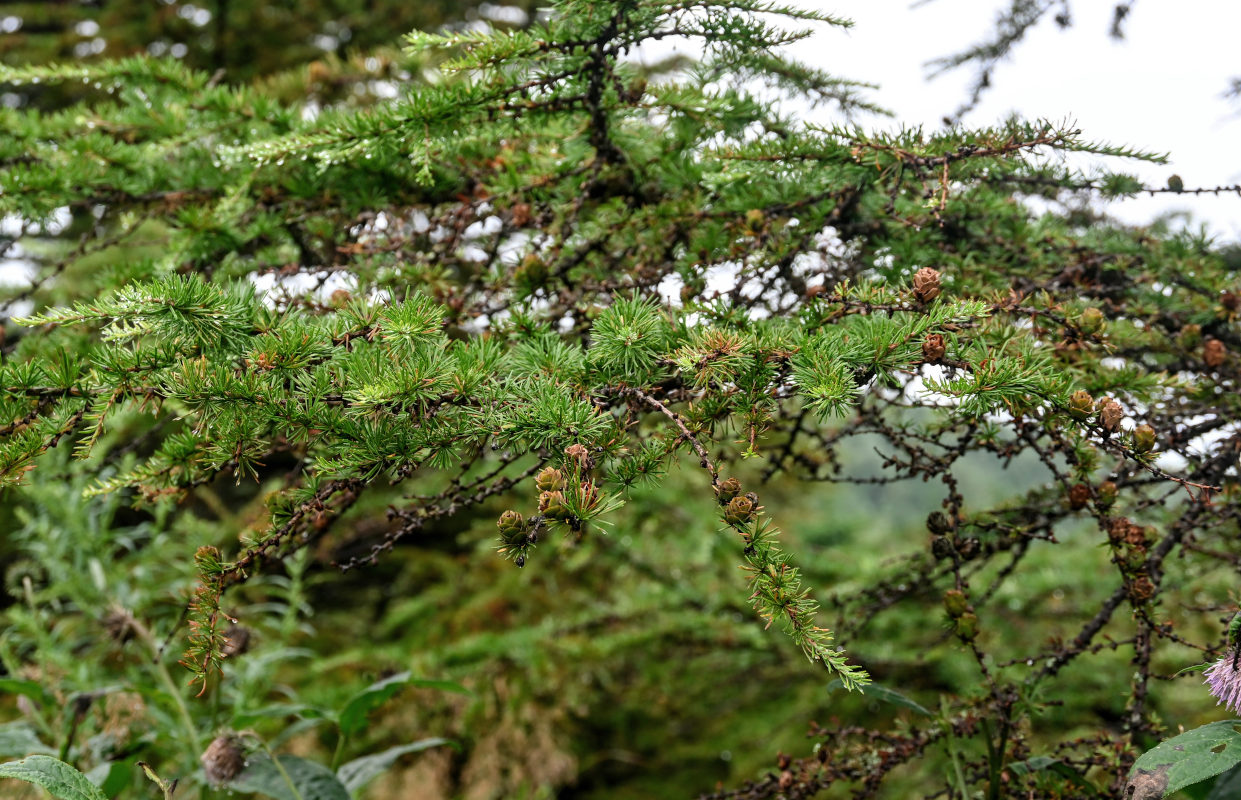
170	686
283	773
340	748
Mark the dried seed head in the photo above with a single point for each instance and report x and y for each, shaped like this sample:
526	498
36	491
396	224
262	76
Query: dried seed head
926	284
933	348
223	760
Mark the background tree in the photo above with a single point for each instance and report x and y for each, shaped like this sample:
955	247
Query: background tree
522	293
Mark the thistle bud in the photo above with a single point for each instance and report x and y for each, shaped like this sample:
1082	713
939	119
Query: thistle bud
933	348
739	511
1110	414
119	624
1081	404
1079	496
236	640
1090	320
926	284
955	603
223	760
727	489
549	479
1214	353
1143	438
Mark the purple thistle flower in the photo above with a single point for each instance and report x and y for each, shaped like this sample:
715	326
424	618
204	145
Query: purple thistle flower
1224	680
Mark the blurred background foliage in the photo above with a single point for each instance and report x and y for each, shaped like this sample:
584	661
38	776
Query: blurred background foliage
618	669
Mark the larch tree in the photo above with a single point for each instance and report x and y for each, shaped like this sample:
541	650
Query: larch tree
545	273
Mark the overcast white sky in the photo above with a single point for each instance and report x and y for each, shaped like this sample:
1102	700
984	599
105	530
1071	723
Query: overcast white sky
1158	89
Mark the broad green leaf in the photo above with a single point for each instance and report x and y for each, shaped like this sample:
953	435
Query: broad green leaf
361	771
20	739
884	695
443	686
313	780
1184	760
58	778
353	715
